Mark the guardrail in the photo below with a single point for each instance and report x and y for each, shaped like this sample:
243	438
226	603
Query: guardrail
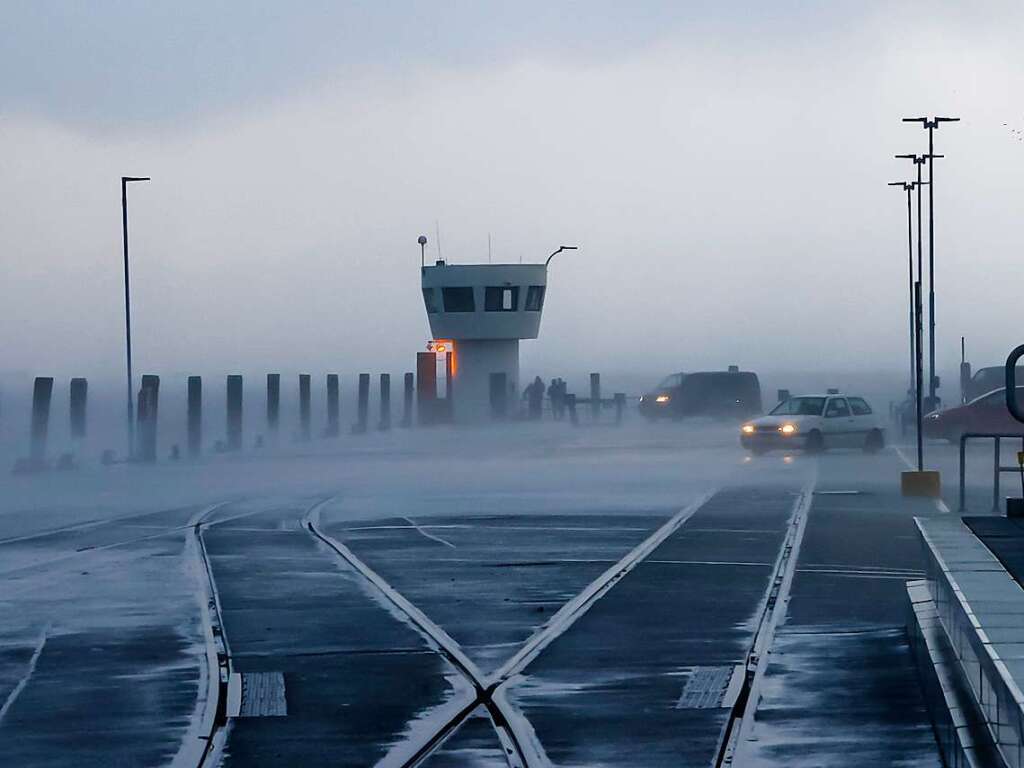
997	469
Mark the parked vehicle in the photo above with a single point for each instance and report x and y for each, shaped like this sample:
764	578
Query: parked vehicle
987	413
814	423
987	380
726	394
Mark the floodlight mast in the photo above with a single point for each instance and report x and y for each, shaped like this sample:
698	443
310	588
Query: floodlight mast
931	124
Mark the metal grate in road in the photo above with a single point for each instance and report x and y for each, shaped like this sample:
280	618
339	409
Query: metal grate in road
707	688
263	695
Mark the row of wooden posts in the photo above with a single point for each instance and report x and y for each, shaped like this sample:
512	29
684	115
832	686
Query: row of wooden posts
149	396
430	410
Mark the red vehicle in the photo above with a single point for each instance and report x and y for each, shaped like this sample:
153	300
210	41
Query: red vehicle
987	413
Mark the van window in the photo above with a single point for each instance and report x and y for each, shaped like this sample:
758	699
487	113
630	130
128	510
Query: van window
859	406
836	408
458	299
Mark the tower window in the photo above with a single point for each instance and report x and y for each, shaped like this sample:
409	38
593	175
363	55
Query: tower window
535	298
458	299
501	298
430	300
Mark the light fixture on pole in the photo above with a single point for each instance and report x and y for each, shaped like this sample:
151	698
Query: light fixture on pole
908	187
560	249
125	180
931	124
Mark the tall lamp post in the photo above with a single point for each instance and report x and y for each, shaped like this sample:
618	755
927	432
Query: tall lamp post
125	180
930	124
918	160
908	187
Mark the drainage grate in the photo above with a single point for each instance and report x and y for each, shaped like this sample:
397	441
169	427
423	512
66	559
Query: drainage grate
257	694
711	688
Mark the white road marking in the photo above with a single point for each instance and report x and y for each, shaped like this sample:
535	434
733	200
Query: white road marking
28	673
427	535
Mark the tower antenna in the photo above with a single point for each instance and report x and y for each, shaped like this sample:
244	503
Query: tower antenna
437	230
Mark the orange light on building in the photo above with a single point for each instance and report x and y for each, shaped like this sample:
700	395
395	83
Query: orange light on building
445	346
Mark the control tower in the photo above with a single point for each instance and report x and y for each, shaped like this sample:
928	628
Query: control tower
484	310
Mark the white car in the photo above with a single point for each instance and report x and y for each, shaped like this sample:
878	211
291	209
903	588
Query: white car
814	423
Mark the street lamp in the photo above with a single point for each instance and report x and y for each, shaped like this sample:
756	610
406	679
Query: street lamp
125	180
910	186
918	160
560	249
931	125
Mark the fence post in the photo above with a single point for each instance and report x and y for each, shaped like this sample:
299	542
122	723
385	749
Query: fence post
385	402
42	393
195	415
995	472
595	396
409	385
78	399
234	413
333	406
305	430
273	403
363	406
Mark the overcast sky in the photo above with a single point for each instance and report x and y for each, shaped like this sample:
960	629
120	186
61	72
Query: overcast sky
722	167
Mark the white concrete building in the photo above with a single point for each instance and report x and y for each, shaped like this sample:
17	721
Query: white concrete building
484	309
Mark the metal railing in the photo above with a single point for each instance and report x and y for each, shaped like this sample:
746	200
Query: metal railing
1011	383
997	468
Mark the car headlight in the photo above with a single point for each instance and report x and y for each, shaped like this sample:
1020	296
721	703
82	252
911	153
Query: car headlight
662	399
787	429
747	429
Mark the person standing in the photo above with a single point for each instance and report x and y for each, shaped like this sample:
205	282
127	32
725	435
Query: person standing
535	398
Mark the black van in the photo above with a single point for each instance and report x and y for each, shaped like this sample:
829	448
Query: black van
724	394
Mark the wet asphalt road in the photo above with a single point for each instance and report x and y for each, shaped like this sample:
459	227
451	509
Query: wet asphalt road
639	679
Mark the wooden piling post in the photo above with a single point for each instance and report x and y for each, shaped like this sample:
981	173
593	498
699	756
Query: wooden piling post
146	413
78	400
407	390
234	412
195	416
42	394
385	402
273	402
333	406
426	387
363	411
305	430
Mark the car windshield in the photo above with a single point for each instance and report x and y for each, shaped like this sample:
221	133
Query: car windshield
799	406
671	381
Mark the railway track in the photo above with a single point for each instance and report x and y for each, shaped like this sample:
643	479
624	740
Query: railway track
521	750
214	728
741	722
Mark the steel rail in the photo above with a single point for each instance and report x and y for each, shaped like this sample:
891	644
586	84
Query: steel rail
741	722
219	662
489	691
448	648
